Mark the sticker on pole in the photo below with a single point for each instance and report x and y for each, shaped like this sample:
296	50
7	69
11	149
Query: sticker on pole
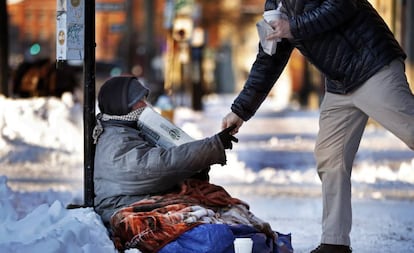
70	26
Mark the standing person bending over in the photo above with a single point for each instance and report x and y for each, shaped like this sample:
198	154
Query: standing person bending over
127	167
351	45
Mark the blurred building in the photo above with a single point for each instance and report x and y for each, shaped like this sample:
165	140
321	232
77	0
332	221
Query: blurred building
135	36
33	22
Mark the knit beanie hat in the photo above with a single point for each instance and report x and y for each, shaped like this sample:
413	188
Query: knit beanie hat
118	94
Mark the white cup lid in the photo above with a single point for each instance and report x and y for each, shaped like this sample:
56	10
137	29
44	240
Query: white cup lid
271	15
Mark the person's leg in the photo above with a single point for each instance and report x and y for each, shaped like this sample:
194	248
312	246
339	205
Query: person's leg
387	98
341	127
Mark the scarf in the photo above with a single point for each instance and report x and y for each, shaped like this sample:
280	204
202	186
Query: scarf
98	129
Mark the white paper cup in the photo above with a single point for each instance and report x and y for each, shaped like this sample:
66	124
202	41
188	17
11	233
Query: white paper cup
272	15
243	245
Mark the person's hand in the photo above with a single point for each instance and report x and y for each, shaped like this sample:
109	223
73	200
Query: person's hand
226	138
281	29
230	120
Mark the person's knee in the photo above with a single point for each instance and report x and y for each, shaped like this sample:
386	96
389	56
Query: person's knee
408	137
324	158
331	161
410	142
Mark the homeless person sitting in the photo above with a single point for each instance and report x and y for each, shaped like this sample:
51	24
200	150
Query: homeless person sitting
157	199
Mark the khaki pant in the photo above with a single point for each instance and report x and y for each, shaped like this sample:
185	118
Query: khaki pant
386	98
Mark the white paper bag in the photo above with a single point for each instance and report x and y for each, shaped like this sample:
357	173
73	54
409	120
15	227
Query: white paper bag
160	131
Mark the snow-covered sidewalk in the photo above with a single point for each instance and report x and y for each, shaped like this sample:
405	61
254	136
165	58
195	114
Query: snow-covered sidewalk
272	168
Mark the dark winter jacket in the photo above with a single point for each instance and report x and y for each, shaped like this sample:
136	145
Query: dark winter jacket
346	40
128	168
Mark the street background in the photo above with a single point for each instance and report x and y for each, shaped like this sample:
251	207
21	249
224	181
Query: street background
198	53
195	47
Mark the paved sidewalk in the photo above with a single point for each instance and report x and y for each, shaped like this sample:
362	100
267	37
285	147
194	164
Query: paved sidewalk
379	225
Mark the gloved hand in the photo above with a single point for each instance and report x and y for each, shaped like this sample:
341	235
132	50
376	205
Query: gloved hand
226	138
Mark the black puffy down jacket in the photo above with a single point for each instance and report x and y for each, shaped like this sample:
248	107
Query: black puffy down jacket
346	40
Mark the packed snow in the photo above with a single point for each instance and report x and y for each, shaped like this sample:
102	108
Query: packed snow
272	168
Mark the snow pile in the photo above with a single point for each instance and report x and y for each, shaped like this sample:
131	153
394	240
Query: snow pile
50	122
40	139
49	227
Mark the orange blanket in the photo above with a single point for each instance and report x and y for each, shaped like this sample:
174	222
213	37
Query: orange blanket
151	223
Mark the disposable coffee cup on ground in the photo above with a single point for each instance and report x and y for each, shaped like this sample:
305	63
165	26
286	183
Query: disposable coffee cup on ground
243	245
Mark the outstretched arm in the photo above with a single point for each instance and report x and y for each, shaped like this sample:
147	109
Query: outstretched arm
231	119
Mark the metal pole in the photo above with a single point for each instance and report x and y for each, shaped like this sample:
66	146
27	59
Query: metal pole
4	49
89	101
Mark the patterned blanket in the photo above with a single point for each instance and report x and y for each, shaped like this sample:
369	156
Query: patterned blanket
152	223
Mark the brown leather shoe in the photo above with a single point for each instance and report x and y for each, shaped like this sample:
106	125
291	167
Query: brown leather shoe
331	248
